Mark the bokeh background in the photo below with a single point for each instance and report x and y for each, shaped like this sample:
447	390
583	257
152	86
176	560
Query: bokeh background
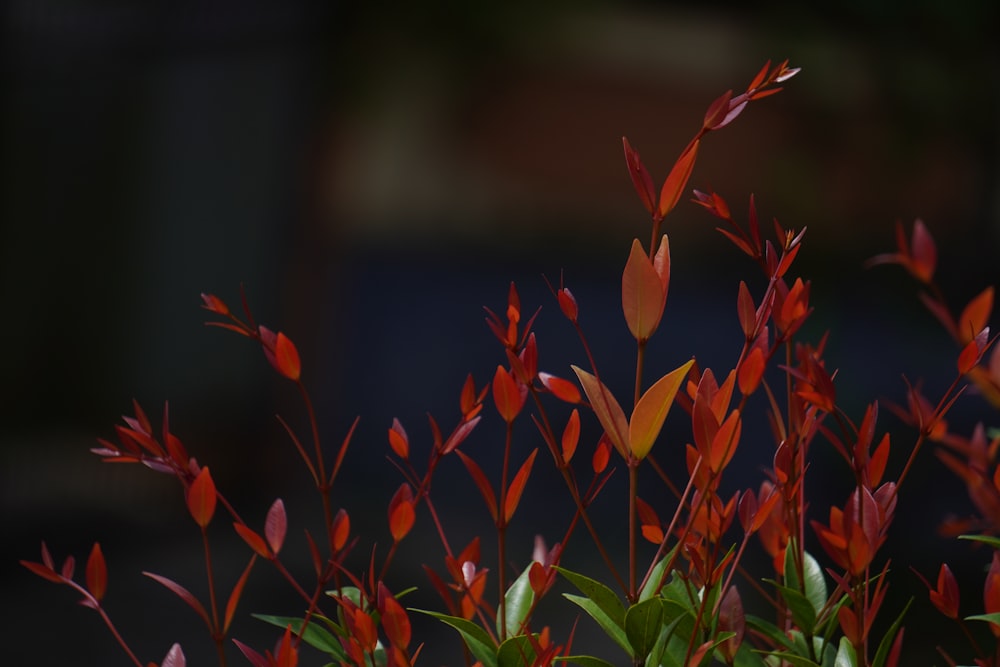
376	173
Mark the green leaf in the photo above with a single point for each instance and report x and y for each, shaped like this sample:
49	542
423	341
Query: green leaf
989	618
884	646
745	657
315	635
516	652
846	657
793	658
769	630
613	630
479	642
518	601
642	626
584	661
605	598
985	539
802	610
655	656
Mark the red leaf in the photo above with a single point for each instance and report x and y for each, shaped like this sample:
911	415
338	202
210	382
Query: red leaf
287	655
234	596
717	111
571	436
607	409
923	253
479	477
401	512
68	566
97	573
976	315
747	312
731	619
567	304
725	441
469	403
214	304
602	454
276	525
183	594
560	388
394	619
946	596
459	435
255	658
508	394
677	180
517	487
651	411
201	498
341	529
253	540
43	571
642	294
751	371
398	440
287	357
640	177
175	657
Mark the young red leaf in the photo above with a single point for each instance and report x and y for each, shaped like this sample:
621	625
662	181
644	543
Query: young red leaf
642	294
479	477
609	412
458	436
253	540
717	111
469	402
401	512
560	388
341	529
174	658
43	571
201	498
183	594
394	619
946	596
677	180
725	441
747	312
571	436
276	525
923	253
602	455
651	411
97	573
751	371
976	315
640	178
68	566
517	487
508	394
286	654
652	528
234	596
661	264
255	658
398	440
567	304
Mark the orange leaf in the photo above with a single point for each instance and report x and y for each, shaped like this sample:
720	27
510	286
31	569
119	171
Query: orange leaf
201	497
661	264
560	388
571	436
642	294
253	540
923	253
234	596
640	177
479	477
751	371
517	487
607	409
401	512
508	394
725	441
651	411
398	440
97	573
747	312
976	315
393	617
677	180
286	357
341	529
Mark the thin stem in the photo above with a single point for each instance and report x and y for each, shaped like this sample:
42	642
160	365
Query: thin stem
216	632
502	532
633	488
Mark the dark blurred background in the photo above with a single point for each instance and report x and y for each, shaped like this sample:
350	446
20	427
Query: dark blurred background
374	174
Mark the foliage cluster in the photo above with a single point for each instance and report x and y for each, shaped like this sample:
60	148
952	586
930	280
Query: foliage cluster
678	599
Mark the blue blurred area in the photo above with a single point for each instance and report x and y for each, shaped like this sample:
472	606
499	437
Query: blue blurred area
375	174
